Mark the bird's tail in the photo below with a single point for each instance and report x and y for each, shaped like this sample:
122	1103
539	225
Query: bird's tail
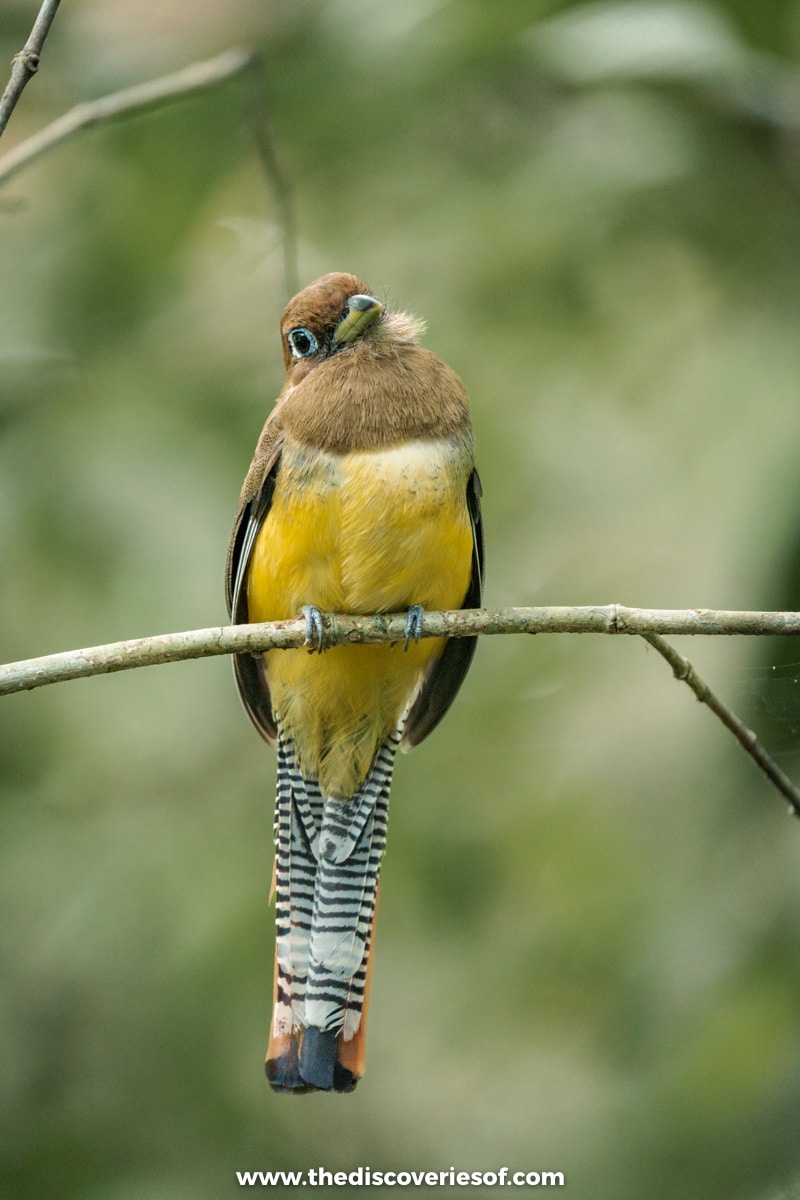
327	863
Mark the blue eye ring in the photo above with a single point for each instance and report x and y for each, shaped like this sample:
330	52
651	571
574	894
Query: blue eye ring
302	342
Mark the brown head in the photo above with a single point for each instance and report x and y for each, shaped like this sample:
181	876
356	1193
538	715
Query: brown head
311	319
356	376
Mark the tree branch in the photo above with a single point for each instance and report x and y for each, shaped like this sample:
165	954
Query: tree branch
390	627
341	630
25	64
682	669
258	115
142	97
128	102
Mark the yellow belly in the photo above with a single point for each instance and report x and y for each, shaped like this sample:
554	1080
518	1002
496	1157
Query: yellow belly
365	532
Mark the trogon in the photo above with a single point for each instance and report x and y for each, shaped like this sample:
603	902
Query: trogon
362	497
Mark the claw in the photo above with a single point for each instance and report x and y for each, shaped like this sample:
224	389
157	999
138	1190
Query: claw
413	624
315	631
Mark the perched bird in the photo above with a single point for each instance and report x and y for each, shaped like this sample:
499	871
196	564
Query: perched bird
362	497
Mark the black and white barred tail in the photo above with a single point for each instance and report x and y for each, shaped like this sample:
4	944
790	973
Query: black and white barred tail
327	863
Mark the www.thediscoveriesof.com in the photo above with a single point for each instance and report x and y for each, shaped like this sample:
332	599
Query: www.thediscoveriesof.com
366	1177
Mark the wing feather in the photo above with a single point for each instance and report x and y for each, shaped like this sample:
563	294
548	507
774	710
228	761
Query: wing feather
251	670
448	671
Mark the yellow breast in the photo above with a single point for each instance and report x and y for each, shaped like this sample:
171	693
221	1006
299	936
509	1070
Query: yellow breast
364	532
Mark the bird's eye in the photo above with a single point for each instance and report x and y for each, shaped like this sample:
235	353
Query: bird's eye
302	342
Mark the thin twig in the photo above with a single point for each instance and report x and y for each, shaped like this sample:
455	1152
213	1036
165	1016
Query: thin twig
128	102
342	630
258	115
682	669
25	64
142	97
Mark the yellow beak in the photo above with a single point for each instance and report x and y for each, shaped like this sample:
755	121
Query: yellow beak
362	311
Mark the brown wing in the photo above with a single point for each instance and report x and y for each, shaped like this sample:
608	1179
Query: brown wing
448	671
256	500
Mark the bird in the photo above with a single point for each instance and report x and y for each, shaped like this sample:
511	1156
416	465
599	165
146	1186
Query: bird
362	497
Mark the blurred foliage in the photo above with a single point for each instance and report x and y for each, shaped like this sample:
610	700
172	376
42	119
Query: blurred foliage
589	947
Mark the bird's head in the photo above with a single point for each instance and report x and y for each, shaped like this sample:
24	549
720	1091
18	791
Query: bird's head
329	315
356	375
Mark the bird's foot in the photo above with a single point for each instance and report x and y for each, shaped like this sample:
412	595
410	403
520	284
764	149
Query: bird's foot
413	624
315	631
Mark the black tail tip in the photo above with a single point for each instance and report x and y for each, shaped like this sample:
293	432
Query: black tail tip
344	1081
315	1069
318	1064
283	1073
318	1058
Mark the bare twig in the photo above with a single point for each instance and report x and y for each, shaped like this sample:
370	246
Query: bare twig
682	669
342	630
25	64
128	102
142	97
258	114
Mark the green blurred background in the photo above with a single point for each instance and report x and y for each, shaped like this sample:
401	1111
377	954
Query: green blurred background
589	943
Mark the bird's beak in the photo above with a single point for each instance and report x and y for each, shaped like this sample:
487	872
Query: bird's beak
362	311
